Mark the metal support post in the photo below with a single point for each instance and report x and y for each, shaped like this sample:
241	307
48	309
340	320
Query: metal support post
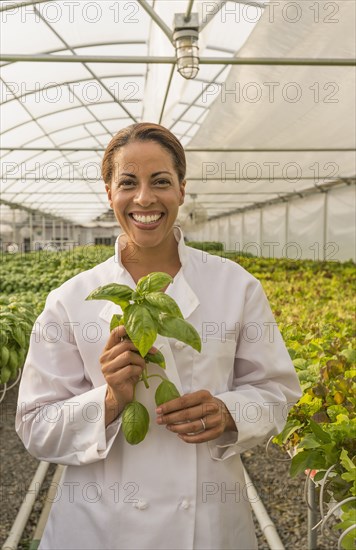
62	234
31	230
325	225
312	517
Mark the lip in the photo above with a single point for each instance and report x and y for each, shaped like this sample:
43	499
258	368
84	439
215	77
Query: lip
146	212
147	227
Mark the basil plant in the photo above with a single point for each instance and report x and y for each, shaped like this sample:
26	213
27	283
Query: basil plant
147	311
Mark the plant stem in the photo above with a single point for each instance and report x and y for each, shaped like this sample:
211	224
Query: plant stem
144	377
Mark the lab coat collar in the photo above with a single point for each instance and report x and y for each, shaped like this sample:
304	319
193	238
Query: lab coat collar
180	289
121	243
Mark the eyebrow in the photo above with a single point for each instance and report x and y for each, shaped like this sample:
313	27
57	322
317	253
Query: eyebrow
152	175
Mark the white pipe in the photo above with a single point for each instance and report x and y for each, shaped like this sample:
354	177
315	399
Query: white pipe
26	507
51	496
268	528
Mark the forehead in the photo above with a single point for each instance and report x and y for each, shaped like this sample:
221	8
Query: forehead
142	156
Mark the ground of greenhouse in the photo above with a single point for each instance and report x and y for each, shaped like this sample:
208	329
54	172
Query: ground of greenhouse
282	496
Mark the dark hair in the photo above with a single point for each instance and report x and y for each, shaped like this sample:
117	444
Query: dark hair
144	131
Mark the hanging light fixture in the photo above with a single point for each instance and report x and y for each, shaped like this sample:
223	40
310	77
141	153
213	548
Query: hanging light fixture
185	39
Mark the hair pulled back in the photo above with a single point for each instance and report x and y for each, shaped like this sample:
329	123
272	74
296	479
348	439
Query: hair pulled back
144	131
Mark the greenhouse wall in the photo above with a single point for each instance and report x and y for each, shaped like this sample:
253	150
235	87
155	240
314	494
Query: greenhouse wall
317	227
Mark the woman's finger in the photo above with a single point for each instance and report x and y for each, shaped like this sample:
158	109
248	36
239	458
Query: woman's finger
190	414
115	337
119	379
195	427
119	361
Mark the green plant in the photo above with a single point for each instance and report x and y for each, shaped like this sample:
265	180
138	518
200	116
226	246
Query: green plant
16	320
206	246
147	311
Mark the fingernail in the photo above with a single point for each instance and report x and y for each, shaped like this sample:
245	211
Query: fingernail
159	410
159	420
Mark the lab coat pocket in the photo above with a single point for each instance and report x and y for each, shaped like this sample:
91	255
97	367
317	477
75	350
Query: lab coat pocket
214	367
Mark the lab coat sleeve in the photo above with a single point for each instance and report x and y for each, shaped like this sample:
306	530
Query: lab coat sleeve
60	416
265	384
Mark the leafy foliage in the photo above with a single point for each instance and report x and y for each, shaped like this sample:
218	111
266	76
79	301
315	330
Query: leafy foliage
146	313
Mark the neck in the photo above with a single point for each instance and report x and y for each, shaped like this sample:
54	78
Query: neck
141	261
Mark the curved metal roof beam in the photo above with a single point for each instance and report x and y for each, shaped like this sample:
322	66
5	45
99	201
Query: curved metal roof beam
44	149
170	78
61	130
196	98
55	113
35	120
78	47
218	6
17	5
67	82
85	65
156	18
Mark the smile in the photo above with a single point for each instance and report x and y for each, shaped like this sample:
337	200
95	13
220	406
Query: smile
146	219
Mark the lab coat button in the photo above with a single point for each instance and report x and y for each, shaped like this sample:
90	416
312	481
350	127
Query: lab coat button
141	504
184	504
179	345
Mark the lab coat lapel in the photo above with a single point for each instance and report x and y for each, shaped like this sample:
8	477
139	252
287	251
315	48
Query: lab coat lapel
108	311
183	294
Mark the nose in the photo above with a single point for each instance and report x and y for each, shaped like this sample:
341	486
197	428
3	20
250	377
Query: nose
145	195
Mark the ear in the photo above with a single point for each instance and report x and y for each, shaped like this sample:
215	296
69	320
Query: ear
182	192
108	192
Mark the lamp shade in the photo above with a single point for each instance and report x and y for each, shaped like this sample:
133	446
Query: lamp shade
186	43
185	39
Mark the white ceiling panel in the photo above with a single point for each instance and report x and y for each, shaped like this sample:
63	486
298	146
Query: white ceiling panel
77	105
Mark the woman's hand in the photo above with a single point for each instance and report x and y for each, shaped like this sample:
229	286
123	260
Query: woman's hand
122	366
196	417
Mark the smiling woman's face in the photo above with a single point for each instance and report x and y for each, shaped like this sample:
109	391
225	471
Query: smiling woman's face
145	193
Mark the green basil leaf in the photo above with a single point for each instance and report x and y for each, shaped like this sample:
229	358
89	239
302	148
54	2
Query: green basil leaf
166	391
173	327
154	312
157	358
306	459
19	336
4	356
320	434
115	321
141	327
119	294
135	422
5	375
153	282
164	303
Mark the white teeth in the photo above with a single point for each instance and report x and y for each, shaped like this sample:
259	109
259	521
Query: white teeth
146	219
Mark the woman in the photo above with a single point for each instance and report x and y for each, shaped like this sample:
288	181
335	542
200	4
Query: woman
183	486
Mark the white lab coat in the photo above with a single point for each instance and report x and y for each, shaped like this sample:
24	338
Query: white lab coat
163	493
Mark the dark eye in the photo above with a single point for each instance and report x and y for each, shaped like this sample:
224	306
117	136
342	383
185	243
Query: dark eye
127	184
161	182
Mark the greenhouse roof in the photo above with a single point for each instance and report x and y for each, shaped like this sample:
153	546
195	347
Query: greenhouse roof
270	115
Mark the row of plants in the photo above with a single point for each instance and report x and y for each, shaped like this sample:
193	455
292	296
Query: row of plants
43	270
315	310
314	306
